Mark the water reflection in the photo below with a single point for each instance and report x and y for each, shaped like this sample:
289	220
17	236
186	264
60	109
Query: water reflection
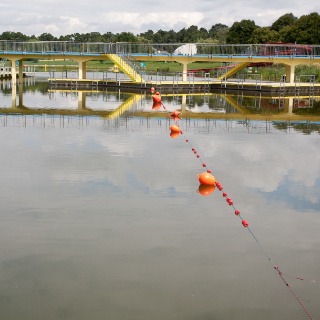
36	97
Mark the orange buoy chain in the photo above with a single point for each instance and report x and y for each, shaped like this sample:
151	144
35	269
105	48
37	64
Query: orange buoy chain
208	183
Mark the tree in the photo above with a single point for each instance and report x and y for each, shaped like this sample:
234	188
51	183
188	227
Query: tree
147	35
10	35
240	32
306	30
191	34
286	20
264	35
126	37
218	32
46	37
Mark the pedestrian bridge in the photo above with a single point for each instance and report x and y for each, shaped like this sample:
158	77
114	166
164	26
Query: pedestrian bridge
127	56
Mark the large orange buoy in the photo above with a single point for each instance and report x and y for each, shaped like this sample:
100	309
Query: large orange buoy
175	128
156	97
206	190
207	179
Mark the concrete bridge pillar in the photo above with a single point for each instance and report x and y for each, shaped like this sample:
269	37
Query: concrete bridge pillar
289	105
82	70
81	100
290	68
21	94
20	71
184	102
13	72
184	71
13	95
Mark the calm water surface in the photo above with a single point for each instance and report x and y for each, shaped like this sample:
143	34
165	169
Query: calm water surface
101	218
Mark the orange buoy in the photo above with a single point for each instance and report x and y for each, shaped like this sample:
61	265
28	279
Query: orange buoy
152	89
175	114
156	105
174	134
206	190
206	178
175	128
156	97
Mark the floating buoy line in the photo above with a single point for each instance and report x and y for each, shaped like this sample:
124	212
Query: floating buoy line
208	184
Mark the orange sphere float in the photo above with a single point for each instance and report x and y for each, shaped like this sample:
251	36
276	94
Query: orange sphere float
207	179
206	190
175	114
174	134
156	97
175	128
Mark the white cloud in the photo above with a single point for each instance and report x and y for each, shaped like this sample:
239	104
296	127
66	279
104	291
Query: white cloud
35	17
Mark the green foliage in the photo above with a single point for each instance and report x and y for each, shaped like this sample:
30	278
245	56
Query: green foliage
46	37
306	30
284	21
240	32
304	71
264	35
10	35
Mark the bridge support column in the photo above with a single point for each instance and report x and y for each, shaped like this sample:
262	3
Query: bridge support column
184	103
21	94
290	73
184	71
82	70
20	71
13	72
289	105
81	100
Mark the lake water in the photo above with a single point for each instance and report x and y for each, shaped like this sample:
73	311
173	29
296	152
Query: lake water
101	216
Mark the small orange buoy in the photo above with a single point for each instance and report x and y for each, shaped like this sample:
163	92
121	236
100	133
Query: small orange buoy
207	179
175	128
205	190
152	89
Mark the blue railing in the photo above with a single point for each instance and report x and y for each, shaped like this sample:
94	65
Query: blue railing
171	49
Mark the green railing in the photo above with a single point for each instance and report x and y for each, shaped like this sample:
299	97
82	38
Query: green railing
125	48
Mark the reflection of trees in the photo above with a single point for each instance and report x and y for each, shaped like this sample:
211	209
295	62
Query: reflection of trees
37	87
304	127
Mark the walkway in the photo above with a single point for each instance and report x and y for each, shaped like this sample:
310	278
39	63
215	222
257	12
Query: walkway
126	55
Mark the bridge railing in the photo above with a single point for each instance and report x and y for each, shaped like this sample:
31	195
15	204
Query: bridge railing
170	49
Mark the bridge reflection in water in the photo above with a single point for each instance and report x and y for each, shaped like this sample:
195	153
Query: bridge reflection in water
34	98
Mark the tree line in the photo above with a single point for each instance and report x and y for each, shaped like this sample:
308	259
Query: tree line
287	29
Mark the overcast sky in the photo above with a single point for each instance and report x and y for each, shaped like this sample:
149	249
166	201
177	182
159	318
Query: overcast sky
61	17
